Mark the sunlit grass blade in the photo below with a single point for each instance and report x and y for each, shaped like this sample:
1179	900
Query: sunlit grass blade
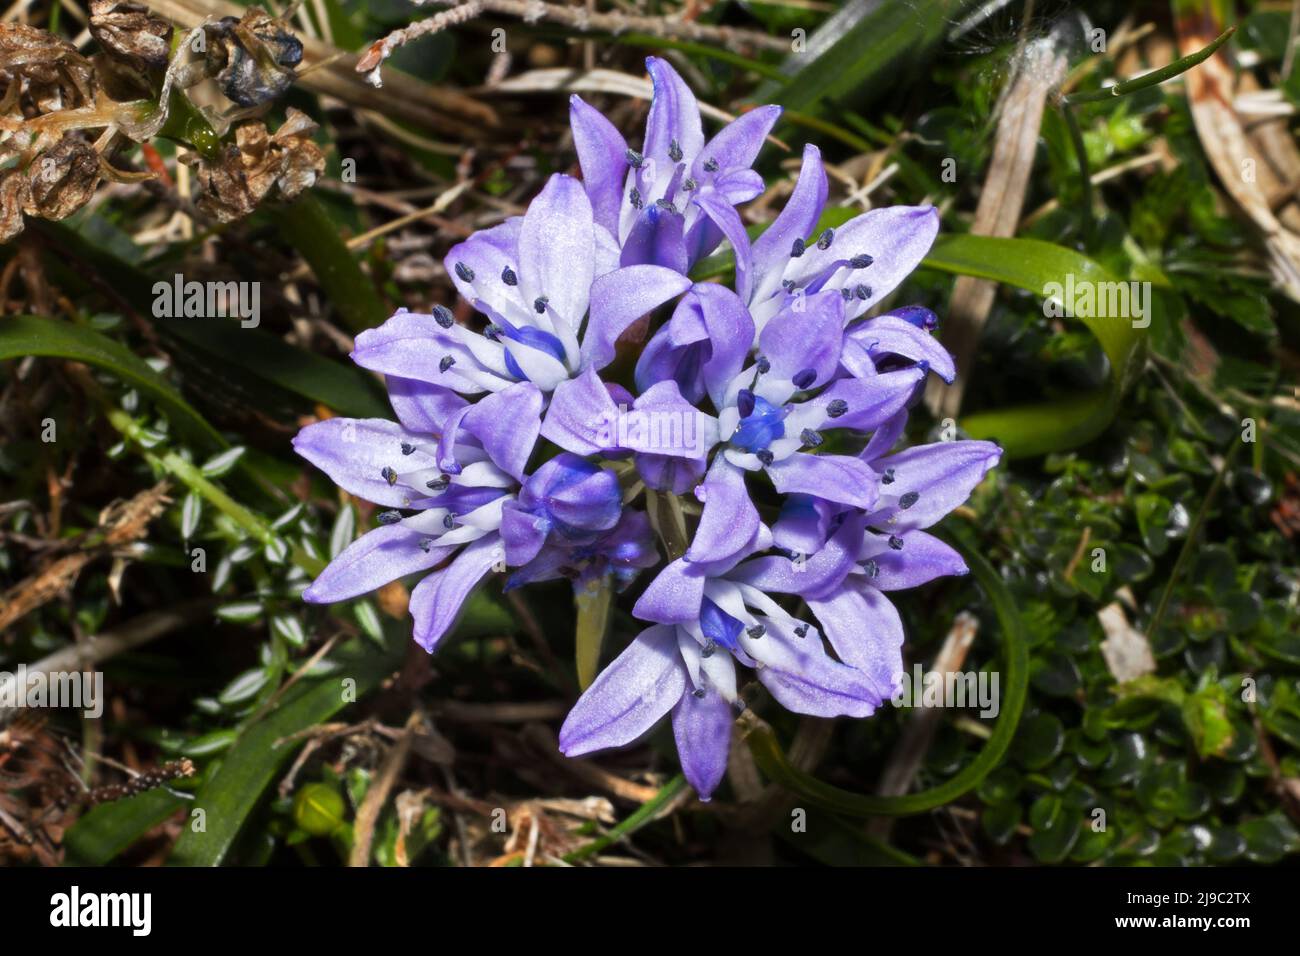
1155	77
1059	424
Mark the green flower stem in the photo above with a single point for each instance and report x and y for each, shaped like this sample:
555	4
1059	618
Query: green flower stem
594	604
305	225
644	814
193	479
669	522
187	126
771	759
1085	174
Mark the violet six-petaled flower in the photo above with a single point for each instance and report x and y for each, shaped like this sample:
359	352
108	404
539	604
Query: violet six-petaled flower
741	393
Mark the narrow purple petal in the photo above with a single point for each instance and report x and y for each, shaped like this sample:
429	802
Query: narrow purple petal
725	217
485	255
507	424
921	559
449	441
557	249
737	186
437	600
833	477
805	679
817	574
796	221
355	451
737	144
702	729
941	476
522	533
629	697
866	632
896	237
657	239
602	154
578	494
582	418
662	422
729	520
620	298
702	347
377	557
422	407
803	524
805	335
414	346
674	596
674	115
890	335
870	402
884	438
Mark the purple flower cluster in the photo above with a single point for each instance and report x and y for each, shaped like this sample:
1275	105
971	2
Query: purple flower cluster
740	394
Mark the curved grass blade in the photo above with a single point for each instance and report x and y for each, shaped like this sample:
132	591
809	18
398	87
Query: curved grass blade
885	39
30	335
1033	265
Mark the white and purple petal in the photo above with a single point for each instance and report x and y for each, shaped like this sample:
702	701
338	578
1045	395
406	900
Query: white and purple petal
629	697
437	601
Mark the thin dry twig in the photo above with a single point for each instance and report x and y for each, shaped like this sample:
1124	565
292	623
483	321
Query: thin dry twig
101	647
377	795
581	19
407	98
119	526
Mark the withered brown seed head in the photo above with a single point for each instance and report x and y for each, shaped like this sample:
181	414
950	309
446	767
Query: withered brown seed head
224	192
129	32
288	162
253	58
57	75
14	194
62	179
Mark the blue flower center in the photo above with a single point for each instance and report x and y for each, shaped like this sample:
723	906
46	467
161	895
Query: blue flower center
764	424
535	339
462	499
719	626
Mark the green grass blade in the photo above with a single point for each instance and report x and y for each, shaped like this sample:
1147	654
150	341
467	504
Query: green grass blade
233	791
105	831
1030	264
866	60
1155	77
305	225
252	361
30	335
